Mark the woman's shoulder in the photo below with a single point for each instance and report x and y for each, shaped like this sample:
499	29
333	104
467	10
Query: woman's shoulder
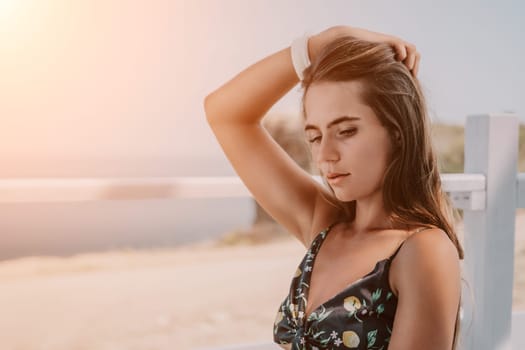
428	283
426	251
425	240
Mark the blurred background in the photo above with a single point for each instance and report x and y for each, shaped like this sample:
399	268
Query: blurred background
115	89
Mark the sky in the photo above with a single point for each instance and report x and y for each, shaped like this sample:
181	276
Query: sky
105	88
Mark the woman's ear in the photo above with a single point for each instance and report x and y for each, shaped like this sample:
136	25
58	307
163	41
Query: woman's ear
397	137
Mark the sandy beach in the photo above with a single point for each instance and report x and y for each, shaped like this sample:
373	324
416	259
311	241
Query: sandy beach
194	296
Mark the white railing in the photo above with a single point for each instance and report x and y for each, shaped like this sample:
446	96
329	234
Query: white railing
86	189
489	192
467	190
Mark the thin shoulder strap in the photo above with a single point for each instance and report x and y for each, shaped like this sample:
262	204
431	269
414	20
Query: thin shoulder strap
399	247
321	235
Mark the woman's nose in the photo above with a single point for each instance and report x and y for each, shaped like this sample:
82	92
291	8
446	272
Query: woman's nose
327	152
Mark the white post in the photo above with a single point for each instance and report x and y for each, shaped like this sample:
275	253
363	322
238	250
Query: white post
491	148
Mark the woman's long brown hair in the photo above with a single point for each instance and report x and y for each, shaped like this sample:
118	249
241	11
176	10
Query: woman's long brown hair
412	192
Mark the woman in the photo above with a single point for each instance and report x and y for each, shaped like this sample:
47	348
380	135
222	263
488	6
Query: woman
368	133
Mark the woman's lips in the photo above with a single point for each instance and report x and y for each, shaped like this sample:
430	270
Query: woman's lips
335	179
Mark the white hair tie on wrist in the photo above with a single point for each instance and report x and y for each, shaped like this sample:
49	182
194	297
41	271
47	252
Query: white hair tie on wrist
299	53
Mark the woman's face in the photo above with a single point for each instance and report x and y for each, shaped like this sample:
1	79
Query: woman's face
345	137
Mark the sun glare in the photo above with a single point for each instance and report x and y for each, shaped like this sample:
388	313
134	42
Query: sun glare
7	8
9	11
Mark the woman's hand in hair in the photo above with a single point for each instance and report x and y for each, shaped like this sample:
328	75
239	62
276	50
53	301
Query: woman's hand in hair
405	51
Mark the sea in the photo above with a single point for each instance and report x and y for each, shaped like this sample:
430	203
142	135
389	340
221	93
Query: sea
69	228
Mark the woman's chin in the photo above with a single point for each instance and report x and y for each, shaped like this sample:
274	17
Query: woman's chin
342	196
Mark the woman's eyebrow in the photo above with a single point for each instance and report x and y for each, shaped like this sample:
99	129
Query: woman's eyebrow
333	122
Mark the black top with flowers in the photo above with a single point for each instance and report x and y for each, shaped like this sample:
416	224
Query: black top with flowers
361	316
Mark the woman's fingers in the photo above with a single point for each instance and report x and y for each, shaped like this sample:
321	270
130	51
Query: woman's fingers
416	64
408	54
400	49
411	56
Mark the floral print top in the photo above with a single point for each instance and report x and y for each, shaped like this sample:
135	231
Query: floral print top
361	316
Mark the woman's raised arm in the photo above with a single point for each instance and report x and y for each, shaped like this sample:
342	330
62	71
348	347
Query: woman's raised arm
234	112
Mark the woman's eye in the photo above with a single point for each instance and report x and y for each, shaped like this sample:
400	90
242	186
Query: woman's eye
347	131
314	139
